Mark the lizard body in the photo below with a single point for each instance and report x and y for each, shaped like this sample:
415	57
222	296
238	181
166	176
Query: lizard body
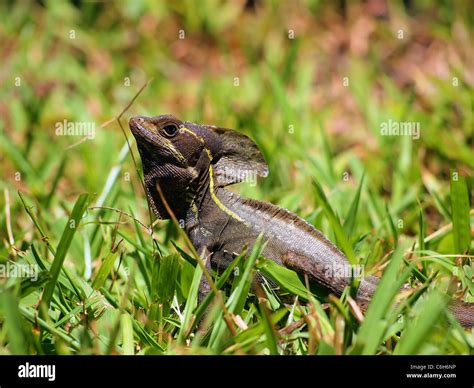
192	164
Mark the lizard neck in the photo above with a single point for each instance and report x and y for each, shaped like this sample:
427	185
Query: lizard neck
209	208
172	189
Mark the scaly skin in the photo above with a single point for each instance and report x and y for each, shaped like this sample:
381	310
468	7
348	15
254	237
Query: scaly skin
193	163
290	241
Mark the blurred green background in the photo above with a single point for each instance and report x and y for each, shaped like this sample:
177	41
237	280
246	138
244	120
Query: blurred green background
311	82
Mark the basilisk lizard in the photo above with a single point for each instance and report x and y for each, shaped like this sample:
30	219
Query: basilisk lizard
186	168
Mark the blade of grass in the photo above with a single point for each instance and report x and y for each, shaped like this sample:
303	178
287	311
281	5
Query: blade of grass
127	334
56	179
372	329
422	232
16	156
351	217
335	223
63	246
460	213
269	330
240	293
33	318
190	304
165	275
417	331
286	278
77	289
219	284
18	342
105	269
393	229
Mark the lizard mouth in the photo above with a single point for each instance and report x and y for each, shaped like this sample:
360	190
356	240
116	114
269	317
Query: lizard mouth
139	131
145	133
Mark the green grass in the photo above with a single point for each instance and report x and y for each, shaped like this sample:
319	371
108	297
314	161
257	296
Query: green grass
108	282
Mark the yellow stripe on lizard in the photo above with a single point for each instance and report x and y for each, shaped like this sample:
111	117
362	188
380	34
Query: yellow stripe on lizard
192	133
217	200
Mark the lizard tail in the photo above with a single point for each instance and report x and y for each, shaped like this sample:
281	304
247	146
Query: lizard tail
463	312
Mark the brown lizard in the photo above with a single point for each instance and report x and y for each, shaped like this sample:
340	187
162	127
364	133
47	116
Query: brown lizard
192	164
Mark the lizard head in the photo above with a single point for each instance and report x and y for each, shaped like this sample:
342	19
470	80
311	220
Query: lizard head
178	156
165	140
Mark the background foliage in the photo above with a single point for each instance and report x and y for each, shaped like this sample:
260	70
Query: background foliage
312	83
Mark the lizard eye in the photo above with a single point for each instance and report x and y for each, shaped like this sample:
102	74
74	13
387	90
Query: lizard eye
170	130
